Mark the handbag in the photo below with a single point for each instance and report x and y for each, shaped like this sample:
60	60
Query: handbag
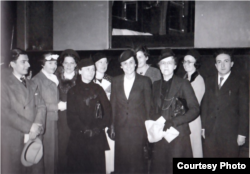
179	107
98	110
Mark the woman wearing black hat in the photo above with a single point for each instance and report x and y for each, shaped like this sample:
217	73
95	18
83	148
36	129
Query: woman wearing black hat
166	92
130	101
88	113
67	74
191	63
142	55
101	78
47	84
104	80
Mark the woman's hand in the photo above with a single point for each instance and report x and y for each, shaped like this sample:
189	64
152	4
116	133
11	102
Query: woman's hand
62	106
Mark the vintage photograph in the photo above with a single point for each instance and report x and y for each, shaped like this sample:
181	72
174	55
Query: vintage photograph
122	87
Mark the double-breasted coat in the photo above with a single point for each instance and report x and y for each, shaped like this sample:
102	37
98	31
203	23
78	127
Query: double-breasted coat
129	116
181	146
224	115
87	154
21	107
50	95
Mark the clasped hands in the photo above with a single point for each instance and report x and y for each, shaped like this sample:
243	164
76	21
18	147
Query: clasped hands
35	130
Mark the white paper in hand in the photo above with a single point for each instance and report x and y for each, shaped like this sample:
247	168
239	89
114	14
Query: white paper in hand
171	134
155	129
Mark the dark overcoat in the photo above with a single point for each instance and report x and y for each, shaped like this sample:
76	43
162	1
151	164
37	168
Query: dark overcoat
20	108
225	115
87	154
129	116
181	146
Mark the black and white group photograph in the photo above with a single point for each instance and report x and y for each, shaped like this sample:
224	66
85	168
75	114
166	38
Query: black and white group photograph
123	87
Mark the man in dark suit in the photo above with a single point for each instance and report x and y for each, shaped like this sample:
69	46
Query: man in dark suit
22	115
225	113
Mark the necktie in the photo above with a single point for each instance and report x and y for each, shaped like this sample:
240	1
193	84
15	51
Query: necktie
221	79
23	81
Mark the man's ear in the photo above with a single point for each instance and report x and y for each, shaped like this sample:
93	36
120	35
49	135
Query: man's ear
12	64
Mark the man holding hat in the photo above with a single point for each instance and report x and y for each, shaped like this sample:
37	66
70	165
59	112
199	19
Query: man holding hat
88	113
22	115
165	94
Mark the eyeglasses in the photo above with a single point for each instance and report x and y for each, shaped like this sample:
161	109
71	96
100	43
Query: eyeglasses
188	62
167	63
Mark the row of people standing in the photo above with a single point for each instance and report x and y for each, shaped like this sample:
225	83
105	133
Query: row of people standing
75	141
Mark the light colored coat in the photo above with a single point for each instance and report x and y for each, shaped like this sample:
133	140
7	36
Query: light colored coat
20	108
50	95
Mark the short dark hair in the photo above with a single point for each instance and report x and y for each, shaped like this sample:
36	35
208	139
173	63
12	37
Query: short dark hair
143	49
228	52
196	55
68	53
15	53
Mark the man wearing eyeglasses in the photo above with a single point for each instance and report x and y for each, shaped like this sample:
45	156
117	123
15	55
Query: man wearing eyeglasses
22	116
224	111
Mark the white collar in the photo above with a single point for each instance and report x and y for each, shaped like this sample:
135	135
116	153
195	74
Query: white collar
18	76
225	77
52	77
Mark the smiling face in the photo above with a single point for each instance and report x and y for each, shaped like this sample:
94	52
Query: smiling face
223	64
167	66
69	64
102	65
50	66
141	58
87	73
21	65
128	66
188	63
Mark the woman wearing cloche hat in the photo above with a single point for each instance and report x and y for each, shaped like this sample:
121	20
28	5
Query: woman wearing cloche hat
130	101
88	113
165	95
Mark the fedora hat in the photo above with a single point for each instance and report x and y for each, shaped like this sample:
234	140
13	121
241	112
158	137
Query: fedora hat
32	152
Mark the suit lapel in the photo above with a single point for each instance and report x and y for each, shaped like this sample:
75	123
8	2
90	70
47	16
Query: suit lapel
174	88
121	88
227	85
134	86
18	88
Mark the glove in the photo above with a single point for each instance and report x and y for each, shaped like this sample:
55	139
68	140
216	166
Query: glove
168	124
88	132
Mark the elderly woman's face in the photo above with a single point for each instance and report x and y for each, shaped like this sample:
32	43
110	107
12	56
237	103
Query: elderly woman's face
188	63
69	64
50	66
87	73
102	65
167	66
